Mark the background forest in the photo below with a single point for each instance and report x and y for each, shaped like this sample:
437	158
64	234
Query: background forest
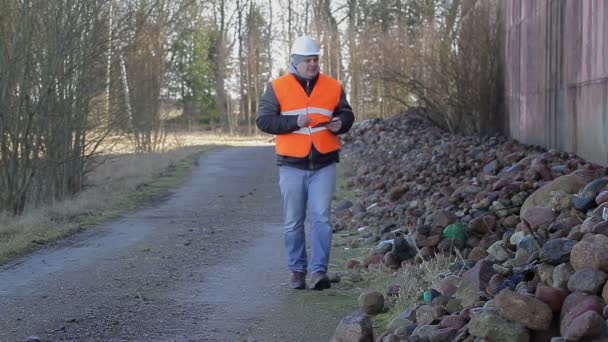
75	75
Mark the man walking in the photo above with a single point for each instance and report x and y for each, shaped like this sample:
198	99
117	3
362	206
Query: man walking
306	110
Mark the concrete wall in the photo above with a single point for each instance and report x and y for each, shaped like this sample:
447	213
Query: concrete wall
556	74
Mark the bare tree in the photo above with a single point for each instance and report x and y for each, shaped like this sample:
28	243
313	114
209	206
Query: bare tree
52	61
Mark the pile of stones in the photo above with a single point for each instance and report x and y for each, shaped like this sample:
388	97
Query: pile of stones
528	226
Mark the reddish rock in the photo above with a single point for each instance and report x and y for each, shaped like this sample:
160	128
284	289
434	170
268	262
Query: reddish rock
501	183
538	216
397	192
511	221
576	304
602	197
558	234
444	218
391	260
452	321
590	252
590	223
480	274
372	260
554	297
482	225
431	241
449	285
588	325
542	170
426	253
494	284
352	263
477	253
601	228
448	245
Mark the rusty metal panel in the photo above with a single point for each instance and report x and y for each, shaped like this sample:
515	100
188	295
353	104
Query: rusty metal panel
555	55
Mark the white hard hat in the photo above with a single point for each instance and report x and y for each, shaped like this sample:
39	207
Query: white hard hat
305	46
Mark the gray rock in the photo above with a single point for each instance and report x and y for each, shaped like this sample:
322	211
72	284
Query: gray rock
371	302
397	323
583	203
587	280
557	251
492	327
499	251
523	309
443	334
344	204
425	330
561	275
538	216
334	277
356	327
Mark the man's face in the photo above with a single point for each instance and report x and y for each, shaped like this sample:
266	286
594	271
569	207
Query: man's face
309	67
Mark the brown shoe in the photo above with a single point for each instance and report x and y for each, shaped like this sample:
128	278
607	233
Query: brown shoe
319	281
297	280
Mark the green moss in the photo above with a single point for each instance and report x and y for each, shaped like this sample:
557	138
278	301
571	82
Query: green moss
380	321
343	192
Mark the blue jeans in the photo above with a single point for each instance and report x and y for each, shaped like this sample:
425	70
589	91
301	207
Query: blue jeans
315	189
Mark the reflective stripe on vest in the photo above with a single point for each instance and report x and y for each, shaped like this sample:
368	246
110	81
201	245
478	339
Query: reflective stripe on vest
319	107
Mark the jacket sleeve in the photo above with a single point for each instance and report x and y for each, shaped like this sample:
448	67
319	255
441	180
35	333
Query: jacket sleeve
269	118
344	112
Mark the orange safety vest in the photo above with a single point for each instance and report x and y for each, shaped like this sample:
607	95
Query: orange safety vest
319	107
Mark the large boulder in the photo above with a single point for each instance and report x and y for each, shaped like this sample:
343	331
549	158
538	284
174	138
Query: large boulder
490	326
578	318
527	310
570	184
591	252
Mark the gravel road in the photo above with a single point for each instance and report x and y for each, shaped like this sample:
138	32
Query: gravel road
205	264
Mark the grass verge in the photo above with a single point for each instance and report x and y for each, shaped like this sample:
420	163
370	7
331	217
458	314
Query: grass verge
121	183
39	226
413	280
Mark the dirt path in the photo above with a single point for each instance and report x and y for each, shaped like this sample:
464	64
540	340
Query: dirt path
207	264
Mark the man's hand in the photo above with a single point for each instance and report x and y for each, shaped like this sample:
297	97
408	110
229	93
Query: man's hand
334	125
303	120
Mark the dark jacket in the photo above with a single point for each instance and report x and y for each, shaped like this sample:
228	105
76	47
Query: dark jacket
270	120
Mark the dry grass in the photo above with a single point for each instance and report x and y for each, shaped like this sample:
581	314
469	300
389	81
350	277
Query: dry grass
113	186
413	281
